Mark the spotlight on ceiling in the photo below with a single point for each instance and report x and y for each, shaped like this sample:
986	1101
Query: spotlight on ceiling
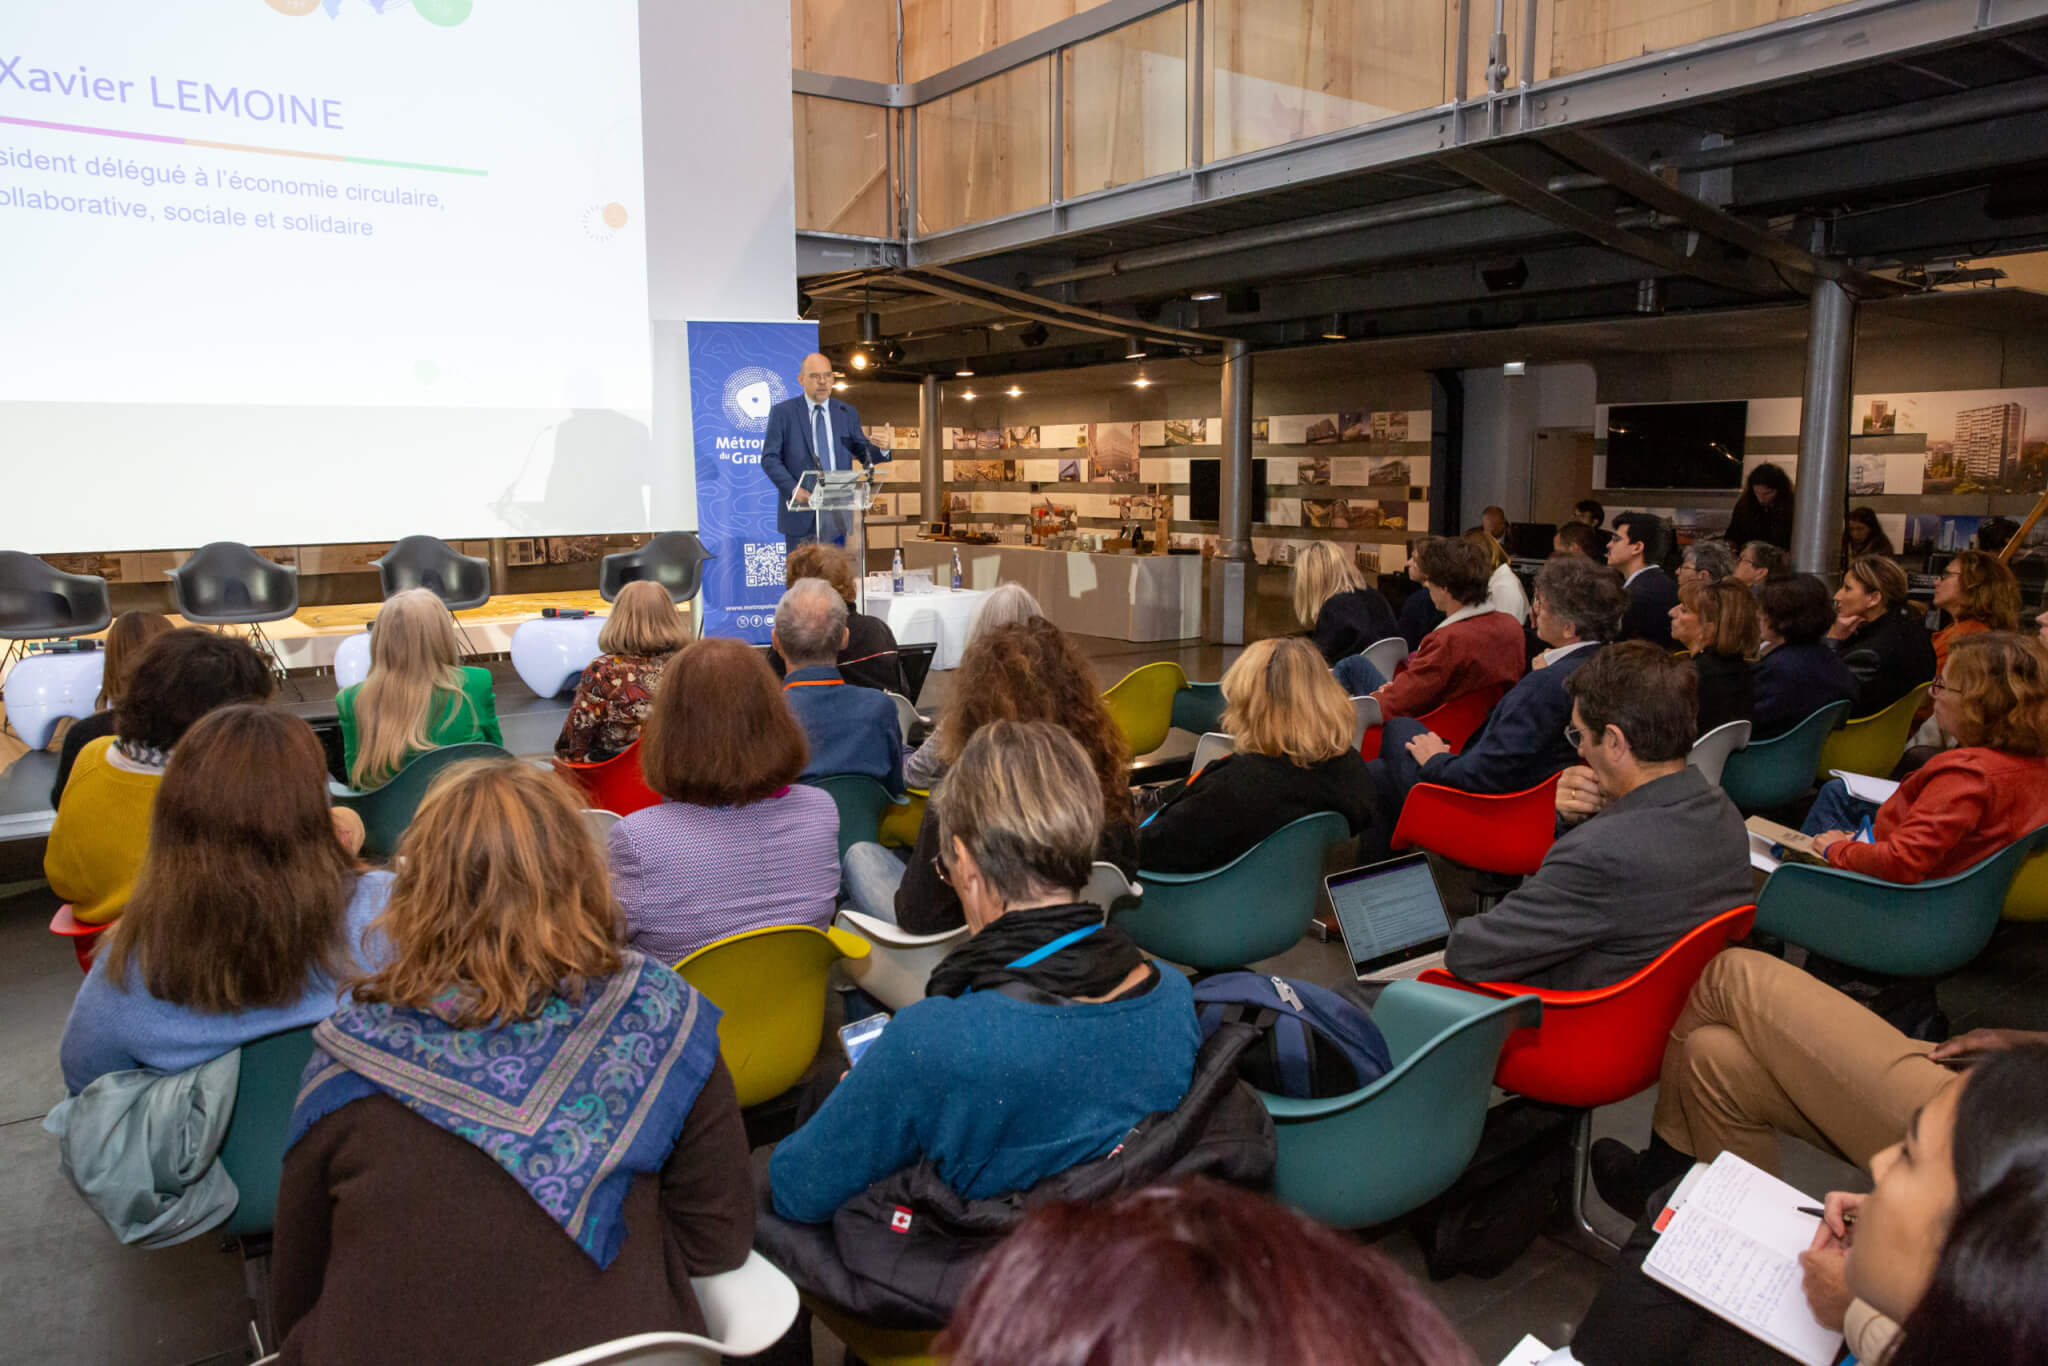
891	353
1204	296
1034	335
841	384
870	328
967	395
1141	383
860	359
964	372
1333	328
1134	347
1014	392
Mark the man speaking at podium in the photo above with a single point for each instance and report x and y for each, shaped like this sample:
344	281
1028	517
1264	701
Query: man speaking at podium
813	431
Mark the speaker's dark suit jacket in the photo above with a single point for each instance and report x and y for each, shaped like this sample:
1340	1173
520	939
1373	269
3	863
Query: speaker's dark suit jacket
787	451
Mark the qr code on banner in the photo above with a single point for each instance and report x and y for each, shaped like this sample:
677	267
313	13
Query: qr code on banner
764	563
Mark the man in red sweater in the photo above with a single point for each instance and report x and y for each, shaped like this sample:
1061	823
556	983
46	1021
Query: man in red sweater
1474	647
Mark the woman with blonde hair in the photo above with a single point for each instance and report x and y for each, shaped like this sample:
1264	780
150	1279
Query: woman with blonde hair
1341	614
126	639
1504	591
418	695
1717	625
1297	753
519	1139
617	689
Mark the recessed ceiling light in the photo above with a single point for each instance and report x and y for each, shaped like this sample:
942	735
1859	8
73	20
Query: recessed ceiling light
967	395
1142	383
964	372
840	385
1014	392
1206	295
1134	348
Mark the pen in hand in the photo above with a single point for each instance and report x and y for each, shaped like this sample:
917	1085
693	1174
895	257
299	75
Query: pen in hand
1848	1217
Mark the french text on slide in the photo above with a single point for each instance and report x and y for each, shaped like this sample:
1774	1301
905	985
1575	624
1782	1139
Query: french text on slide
258	104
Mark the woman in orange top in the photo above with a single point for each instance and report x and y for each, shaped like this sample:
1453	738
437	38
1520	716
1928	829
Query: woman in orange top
1966	803
1978	590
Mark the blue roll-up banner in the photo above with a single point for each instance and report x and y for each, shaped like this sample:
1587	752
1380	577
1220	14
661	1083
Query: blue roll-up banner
738	371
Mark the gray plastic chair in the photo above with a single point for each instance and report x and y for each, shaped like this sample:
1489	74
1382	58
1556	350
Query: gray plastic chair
431	563
41	602
1368	709
674	559
1386	655
1710	752
1210	748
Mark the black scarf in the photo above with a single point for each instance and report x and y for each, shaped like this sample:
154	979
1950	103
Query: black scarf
1091	966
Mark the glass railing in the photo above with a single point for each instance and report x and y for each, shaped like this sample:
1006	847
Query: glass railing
1134	103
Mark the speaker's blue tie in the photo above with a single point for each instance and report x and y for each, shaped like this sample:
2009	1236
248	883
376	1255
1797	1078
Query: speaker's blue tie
821	442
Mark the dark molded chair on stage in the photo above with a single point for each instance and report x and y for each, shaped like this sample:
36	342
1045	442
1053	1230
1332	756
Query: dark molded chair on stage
39	602
674	559
228	584
431	563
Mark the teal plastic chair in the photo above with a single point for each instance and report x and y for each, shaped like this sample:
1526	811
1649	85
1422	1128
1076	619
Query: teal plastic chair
388	810
1917	929
1767	774
862	803
1198	708
1257	905
1372	1156
252	1154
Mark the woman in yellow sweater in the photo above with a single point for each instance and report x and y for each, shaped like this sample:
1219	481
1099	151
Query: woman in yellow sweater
102	827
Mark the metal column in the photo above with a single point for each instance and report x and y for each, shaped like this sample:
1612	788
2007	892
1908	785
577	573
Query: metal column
931	497
1232	575
1823	484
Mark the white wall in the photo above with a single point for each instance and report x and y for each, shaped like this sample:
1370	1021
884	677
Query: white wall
1502	415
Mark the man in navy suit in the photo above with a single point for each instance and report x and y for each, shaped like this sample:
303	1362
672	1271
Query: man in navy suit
1577	609
813	431
1637	546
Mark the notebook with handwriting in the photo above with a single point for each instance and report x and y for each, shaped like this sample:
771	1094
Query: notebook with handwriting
1729	1241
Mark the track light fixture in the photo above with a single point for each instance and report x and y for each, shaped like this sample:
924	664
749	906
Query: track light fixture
1134	347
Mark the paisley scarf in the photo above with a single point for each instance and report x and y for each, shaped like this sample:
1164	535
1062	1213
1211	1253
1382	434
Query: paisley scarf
572	1103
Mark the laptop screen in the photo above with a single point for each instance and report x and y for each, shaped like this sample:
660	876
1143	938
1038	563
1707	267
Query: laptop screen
1389	911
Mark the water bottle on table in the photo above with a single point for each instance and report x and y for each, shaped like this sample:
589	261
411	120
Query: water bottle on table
956	569
896	572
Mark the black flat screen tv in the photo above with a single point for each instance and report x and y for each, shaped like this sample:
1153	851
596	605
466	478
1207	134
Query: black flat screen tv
1675	445
1205	490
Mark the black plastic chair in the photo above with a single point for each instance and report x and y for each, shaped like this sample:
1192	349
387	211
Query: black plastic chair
38	602
917	662
227	583
431	563
674	559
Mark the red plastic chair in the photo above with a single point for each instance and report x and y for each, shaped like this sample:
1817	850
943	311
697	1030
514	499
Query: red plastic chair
85	939
616	784
1594	1048
1456	720
1505	833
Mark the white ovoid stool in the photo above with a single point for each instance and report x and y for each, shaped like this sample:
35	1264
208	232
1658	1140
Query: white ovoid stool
352	661
549	652
46	686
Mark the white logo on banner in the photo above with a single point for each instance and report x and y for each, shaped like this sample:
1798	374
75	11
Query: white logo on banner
750	392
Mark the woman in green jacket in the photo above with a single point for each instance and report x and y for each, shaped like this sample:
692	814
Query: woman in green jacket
418	695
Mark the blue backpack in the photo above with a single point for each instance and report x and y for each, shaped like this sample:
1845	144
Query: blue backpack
1316	1043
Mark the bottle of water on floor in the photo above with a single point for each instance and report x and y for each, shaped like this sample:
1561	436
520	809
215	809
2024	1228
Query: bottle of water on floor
956	569
896	572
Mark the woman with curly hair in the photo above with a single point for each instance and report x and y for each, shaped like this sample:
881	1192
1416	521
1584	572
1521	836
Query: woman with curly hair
1026	672
1764	511
1979	592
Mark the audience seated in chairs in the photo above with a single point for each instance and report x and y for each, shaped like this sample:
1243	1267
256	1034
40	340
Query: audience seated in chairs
1796	675
1706	562
1419	616
617	688
1333	604
96	844
1980	593
1042	1040
868	659
1578	609
1577	538
1195	1273
1637	547
1026	672
126	639
1006	605
1940	1262
1503	586
1663	852
1964	804
418	694
1717	625
520	1138
249	909
1474	647
1862	534
1294	756
851	730
1878	635
737	846
1760	560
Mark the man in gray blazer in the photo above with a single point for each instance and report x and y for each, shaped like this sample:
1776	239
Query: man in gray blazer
1663	851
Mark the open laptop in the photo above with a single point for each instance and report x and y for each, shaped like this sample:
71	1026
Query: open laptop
1392	918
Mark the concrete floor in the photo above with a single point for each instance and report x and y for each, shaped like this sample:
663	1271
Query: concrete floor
70	1293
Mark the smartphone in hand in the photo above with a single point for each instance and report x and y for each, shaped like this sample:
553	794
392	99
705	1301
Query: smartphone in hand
857	1037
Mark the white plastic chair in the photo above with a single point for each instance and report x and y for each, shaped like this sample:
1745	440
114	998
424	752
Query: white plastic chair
898	963
745	1311
1212	746
1107	886
906	714
1368	709
1386	655
1710	752
600	823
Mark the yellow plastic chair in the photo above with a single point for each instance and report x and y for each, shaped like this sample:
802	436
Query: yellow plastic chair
769	986
1141	703
876	1346
2027	898
900	824
1872	744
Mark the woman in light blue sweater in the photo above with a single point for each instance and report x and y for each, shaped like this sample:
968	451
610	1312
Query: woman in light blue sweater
249	912
1042	1041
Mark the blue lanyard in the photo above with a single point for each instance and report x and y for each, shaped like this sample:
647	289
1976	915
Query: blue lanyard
1039	955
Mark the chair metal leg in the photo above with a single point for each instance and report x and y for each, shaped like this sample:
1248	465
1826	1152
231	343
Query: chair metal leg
1579	1234
265	646
255	1254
